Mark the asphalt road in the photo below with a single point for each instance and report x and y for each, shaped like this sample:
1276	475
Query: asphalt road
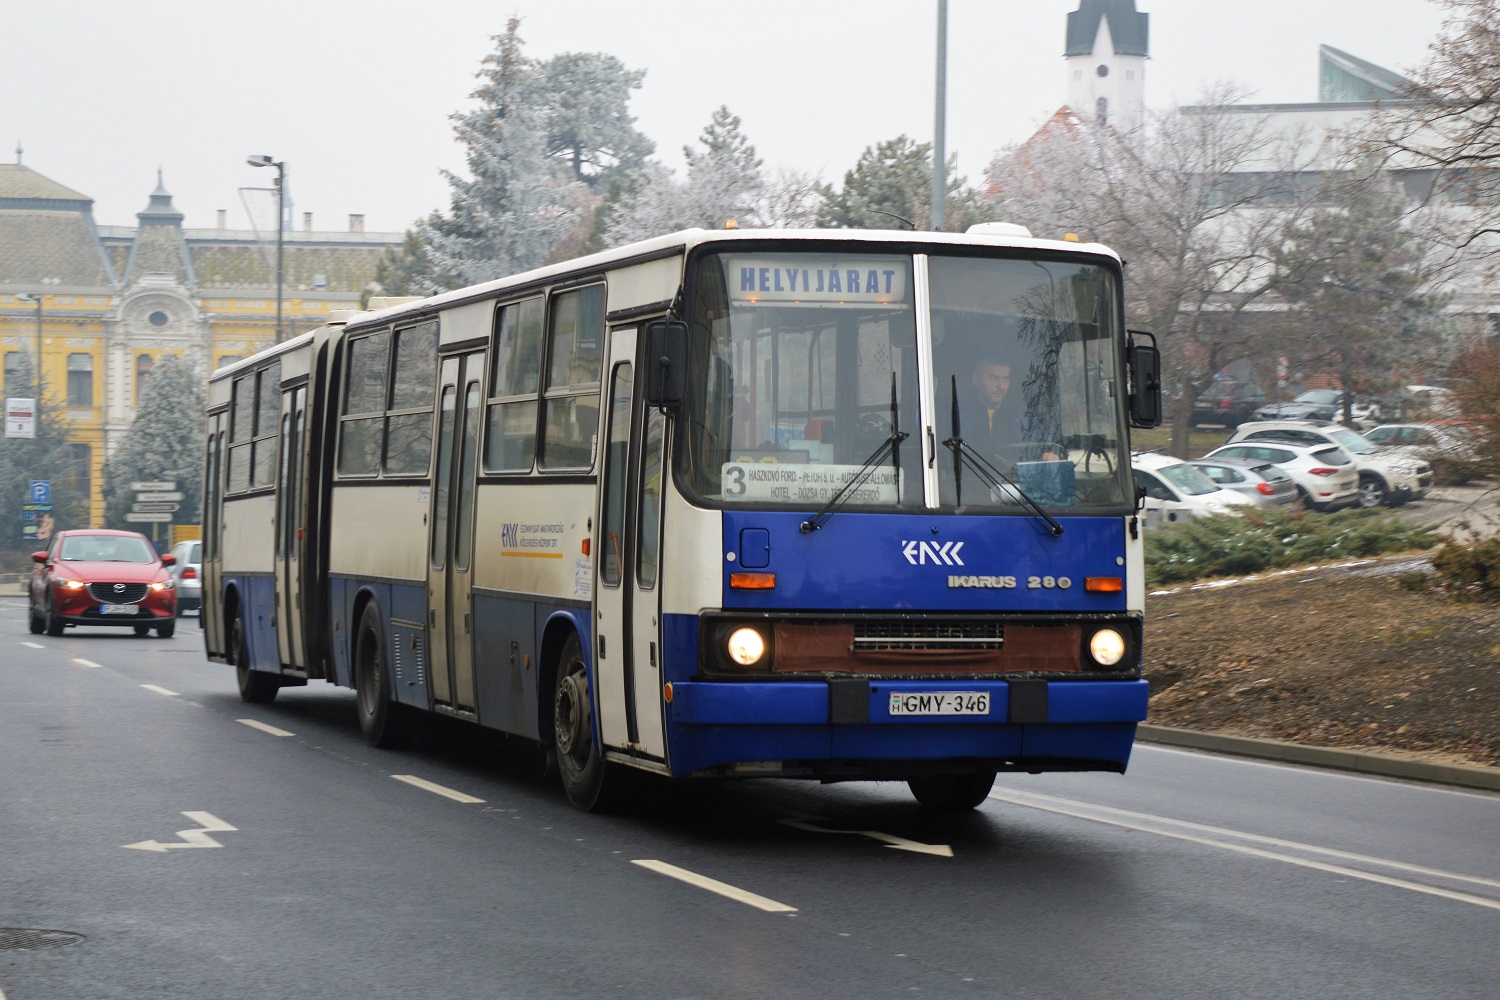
197	853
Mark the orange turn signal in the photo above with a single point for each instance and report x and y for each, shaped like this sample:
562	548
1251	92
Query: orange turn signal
586	546
752	581
1103	584
666	692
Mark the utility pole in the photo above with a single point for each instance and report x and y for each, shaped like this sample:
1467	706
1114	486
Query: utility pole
265	161
36	375
940	116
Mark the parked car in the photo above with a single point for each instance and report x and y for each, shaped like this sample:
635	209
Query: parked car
1175	491
1262	482
1385	477
1452	449
188	572
1322	405
1326	477
102	577
1227	402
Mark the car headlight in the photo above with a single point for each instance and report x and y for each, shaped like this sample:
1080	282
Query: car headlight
1107	647
68	584
168	584
746	646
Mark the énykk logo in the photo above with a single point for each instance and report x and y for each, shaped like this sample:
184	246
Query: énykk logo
939	554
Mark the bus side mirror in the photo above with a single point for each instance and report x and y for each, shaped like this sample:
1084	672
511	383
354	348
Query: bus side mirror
665	360
1144	361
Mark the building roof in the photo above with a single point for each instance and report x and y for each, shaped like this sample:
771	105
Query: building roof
21	183
1343	77
1128	29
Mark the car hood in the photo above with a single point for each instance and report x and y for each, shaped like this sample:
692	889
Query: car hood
110	572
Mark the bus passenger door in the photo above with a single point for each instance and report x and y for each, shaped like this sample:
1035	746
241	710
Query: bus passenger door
289	494
210	614
450	606
626	653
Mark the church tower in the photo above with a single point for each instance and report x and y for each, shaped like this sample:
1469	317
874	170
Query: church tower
1106	62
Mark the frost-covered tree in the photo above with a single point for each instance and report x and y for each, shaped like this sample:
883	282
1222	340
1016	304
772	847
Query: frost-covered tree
724	182
589	125
891	187
163	442
518	203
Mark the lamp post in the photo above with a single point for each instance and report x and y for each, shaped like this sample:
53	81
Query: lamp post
36	376
266	161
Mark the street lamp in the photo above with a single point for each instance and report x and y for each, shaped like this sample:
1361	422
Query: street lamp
36	376
266	161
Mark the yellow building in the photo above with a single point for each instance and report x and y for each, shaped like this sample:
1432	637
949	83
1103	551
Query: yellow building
102	304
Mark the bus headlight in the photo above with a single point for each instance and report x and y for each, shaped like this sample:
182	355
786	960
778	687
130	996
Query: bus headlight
746	646
1107	647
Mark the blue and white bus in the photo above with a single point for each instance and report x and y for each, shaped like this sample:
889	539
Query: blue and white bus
718	504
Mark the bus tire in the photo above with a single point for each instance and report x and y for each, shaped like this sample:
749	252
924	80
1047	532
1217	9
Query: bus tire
951	793
382	722
578	762
256	686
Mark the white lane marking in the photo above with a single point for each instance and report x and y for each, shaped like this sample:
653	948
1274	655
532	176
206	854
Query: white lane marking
714	885
1355	873
888	839
1296	845
84	663
160	690
436	789
1312	770
196	837
34	645
253	724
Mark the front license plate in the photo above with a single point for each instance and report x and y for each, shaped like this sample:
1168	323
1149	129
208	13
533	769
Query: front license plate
940	703
117	609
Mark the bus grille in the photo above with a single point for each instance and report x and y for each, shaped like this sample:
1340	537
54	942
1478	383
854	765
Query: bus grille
118	593
890	636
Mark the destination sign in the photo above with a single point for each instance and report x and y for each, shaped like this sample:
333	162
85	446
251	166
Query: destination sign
817	280
805	483
137	518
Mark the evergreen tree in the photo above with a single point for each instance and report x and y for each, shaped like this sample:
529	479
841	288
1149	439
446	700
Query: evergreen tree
588	125
891	188
164	442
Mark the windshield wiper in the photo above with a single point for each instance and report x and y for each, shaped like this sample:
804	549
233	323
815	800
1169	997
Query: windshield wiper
965	454
891	445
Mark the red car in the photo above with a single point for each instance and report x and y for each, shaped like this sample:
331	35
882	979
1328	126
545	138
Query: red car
102	577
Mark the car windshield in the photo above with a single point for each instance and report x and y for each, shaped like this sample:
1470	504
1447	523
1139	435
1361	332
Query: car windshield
1383	435
1188	479
1352	441
107	548
1321	396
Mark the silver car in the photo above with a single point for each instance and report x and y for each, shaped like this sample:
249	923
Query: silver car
188	572
1326	477
1262	482
1385	476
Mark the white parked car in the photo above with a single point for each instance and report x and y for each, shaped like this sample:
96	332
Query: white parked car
1326	477
1386	476
1176	491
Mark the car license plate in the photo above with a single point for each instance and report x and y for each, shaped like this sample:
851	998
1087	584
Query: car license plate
940	703
117	609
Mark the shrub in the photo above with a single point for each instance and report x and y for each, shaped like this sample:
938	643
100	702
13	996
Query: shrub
1230	545
1468	566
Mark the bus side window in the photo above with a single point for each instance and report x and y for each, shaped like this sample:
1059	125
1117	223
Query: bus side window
408	423
510	438
362	428
575	352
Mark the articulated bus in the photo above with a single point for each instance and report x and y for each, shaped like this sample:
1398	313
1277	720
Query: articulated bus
719	504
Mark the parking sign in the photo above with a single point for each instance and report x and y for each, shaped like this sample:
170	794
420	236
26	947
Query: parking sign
41	491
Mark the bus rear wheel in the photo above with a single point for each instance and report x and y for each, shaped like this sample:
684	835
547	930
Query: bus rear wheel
256	686
383	722
578	761
952	792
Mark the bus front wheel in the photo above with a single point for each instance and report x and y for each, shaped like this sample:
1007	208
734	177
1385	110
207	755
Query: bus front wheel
952	792
256	686
578	761
382	722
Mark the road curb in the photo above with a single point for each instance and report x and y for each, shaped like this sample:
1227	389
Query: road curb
1362	762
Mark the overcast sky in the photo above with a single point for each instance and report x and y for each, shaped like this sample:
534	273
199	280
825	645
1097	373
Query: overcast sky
354	95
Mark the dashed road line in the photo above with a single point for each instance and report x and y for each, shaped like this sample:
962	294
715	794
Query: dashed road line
86	663
254	724
436	789
160	690
1143	822
714	885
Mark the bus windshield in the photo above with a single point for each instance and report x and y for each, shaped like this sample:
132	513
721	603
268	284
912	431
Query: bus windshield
803	363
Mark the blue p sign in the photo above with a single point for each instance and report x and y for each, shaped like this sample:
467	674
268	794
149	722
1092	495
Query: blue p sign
41	491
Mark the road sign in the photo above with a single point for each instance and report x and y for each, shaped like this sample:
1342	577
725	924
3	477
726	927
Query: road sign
146	497
1283	368
138	487
137	518
156	508
41	491
20	418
